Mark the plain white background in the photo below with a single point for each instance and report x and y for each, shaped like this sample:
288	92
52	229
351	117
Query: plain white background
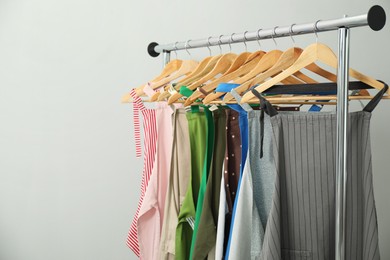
69	179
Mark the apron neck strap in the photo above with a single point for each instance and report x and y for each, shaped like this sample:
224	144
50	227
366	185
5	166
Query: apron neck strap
245	106
137	107
375	100
265	105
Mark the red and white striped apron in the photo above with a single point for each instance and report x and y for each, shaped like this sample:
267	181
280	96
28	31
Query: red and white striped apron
150	139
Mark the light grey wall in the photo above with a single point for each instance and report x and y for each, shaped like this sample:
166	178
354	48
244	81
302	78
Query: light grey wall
69	180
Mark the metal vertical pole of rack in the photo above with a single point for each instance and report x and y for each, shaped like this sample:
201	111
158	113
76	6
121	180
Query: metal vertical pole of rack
341	140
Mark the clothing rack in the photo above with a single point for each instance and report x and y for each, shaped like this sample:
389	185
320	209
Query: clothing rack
375	18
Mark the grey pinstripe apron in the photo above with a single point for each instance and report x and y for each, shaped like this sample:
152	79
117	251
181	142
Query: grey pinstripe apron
301	223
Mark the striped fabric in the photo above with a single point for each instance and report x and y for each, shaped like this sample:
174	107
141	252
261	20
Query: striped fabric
137	129
301	224
150	138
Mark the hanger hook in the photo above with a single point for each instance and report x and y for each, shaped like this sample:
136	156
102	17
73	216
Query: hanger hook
274	34
246	47
291	33
219	43
185	47
231	37
258	37
230	44
175	49
208	46
315	29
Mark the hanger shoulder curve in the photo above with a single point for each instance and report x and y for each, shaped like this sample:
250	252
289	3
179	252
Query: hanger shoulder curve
308	56
314	52
186	68
201	66
209	67
169	69
245	68
222	66
238	62
286	59
266	62
191	76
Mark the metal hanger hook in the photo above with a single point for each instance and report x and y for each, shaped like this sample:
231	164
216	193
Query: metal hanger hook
208	46
258	37
291	33
246	47
185	47
230	44
231	37
315	30
219	43
175	49
274	34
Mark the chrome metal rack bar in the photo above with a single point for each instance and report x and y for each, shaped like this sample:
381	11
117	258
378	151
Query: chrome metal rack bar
375	18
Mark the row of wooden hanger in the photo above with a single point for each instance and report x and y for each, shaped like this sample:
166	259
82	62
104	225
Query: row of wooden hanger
261	70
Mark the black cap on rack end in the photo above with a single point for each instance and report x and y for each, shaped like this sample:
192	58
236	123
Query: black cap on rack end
376	17
151	50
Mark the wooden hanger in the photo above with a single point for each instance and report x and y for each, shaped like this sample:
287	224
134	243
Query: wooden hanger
169	69
200	73
241	59
263	64
288	58
238	62
248	66
206	65
271	65
186	67
314	52
268	60
223	64
161	96
189	72
254	55
275	61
